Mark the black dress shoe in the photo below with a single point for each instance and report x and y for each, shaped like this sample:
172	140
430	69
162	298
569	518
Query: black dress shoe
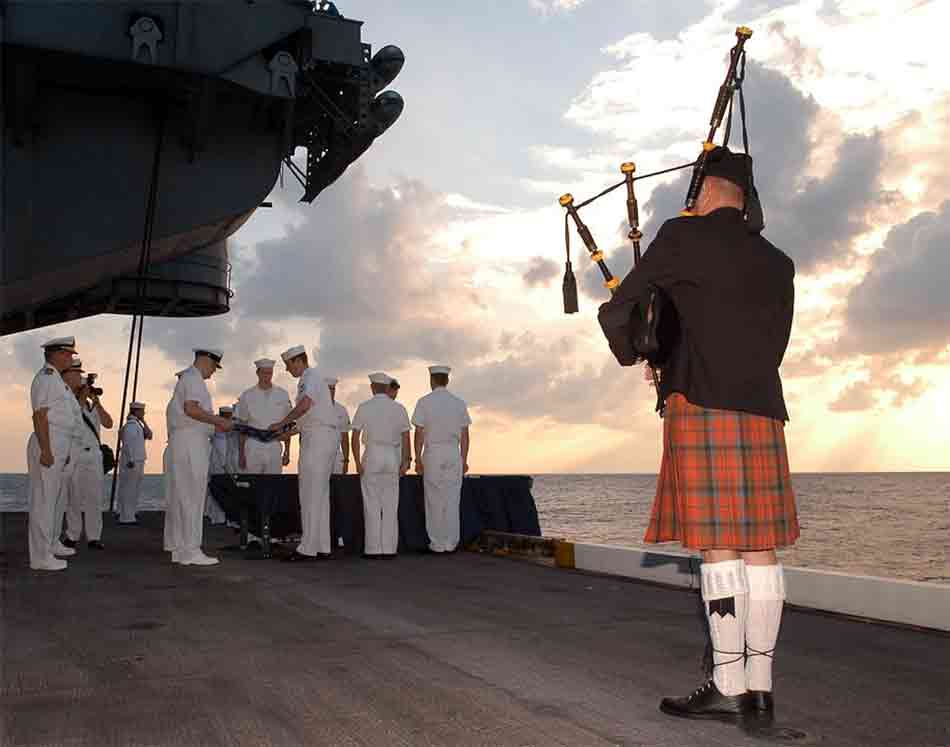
69	542
296	557
759	706
95	545
706	702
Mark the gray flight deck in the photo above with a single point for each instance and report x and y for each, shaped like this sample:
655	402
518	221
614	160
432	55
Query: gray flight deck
125	648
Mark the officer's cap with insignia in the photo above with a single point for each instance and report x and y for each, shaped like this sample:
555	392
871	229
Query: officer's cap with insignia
60	343
290	353
212	353
380	378
264	363
440	370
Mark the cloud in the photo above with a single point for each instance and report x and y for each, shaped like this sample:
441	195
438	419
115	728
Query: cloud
550	7
855	397
541	271
902	302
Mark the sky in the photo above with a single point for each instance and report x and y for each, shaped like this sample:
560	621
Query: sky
444	242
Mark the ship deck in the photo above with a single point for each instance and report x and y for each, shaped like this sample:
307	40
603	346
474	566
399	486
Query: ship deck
126	648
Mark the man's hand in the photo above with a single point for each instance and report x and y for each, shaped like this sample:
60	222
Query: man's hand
404	468
275	427
46	459
285	459
242	461
419	468
465	468
649	375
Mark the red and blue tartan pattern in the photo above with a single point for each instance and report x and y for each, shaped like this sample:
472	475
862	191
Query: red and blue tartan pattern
724	482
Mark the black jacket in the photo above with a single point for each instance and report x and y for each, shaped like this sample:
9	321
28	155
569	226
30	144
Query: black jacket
734	295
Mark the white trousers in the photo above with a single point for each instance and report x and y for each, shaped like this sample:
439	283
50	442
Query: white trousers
263	459
188	457
170	530
379	484
128	489
317	451
84	494
47	496
442	488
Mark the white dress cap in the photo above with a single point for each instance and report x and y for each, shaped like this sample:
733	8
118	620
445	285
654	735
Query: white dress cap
225	410
213	353
137	406
264	363
291	353
60	343
440	370
332	381
380	378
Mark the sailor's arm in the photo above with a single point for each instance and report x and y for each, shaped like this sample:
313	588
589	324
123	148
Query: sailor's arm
105	419
41	428
420	439
406	451
466	441
355	442
301	409
242	456
196	412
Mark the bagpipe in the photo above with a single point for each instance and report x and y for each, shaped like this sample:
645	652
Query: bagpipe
650	331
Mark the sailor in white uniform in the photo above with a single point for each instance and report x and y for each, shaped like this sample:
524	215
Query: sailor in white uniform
171	540
131	461
317	422
56	420
223	461
189	453
258	407
441	443
341	464
86	488
383	424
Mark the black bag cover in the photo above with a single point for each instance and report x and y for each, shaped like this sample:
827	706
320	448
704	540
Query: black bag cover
108	459
641	330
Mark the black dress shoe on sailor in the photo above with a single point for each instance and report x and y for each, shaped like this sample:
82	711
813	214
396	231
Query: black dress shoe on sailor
708	703
759	706
69	542
297	557
95	545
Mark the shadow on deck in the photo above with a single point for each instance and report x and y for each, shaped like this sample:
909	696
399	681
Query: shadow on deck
126	648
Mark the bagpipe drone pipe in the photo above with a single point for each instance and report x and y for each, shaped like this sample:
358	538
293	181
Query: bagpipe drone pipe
645	330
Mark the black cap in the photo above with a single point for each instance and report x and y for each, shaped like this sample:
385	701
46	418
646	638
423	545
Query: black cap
733	167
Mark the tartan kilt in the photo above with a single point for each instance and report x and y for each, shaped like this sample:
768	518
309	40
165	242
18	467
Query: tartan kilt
724	482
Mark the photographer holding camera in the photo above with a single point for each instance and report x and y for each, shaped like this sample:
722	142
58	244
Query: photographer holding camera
85	488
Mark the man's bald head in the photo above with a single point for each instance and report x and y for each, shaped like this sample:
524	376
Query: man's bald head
719	193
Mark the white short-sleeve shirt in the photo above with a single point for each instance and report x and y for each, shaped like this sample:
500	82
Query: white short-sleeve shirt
381	420
342	418
262	407
133	441
87	438
191	387
442	415
313	384
48	391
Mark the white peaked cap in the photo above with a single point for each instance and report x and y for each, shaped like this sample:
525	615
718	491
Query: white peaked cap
60	342
380	378
293	352
137	406
213	353
440	370
264	363
226	408
332	380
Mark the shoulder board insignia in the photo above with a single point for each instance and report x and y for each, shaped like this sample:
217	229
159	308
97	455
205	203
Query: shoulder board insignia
48	371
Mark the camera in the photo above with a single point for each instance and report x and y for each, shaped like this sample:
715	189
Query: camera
90	381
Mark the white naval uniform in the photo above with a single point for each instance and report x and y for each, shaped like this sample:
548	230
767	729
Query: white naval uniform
48	484
381	422
260	408
223	461
87	485
189	447
342	426
171	535
319	441
130	478
443	416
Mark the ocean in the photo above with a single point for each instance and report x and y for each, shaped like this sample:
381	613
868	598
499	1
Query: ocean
895	525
